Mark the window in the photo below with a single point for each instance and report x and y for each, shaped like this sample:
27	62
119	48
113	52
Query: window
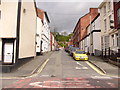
112	40
117	39
109	5
117	1
106	38
118	15
93	26
104	10
105	25
109	21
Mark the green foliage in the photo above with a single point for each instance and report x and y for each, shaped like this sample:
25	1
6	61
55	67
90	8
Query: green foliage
61	39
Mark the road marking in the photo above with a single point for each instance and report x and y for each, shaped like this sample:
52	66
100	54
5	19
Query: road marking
94	68
83	67
101	77
114	76
45	76
40	69
32	75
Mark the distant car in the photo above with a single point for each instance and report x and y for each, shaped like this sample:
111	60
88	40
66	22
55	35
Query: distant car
57	49
72	50
80	55
66	49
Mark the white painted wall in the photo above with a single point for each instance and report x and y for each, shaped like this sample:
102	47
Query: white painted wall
45	36
28	28
103	16
38	34
0	50
96	41
8	19
86	42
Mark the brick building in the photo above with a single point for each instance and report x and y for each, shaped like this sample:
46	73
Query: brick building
80	30
116	6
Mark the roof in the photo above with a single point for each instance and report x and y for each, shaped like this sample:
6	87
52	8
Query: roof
40	14
47	17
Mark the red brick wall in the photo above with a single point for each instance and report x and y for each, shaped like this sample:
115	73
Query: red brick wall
116	7
85	21
80	30
40	14
51	41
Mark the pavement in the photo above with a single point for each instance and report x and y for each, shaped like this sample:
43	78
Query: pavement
30	67
107	67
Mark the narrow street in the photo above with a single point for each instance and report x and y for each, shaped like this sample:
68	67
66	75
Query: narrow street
62	71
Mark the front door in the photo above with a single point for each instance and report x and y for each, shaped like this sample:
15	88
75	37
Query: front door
8	52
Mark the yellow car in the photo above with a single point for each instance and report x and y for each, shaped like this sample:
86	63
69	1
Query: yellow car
80	55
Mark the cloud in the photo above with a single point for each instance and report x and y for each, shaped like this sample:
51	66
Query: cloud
64	15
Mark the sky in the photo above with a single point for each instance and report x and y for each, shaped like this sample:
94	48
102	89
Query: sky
64	15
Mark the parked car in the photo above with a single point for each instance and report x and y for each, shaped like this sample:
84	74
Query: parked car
80	55
57	49
69	48
66	49
72	50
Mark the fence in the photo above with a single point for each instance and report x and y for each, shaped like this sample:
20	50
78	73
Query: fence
111	54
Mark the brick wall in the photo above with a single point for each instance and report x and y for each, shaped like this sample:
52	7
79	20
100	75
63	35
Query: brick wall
80	30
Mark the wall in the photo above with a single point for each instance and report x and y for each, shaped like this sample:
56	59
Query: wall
0	49
96	41
45	36
9	18
107	42
38	34
27	30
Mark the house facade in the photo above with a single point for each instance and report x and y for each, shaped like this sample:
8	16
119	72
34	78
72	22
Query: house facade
17	31
92	42
117	19
109	35
45	34
40	17
80	30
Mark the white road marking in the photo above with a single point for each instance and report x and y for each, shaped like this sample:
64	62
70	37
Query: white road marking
101	77
83	67
58	83
45	76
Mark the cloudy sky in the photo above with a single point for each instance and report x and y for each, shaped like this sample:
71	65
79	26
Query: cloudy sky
65	14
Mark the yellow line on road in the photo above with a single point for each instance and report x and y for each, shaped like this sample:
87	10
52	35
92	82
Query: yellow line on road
95	68
39	71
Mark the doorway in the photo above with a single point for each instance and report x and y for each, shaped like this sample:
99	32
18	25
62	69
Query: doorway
8	51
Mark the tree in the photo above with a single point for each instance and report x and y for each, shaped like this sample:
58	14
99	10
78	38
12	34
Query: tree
62	39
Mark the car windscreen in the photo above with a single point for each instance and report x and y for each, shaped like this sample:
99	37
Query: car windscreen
80	52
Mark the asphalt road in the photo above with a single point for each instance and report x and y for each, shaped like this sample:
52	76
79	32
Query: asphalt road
62	71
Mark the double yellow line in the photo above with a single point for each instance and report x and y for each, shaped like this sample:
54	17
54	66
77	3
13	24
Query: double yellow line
32	75
95	68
